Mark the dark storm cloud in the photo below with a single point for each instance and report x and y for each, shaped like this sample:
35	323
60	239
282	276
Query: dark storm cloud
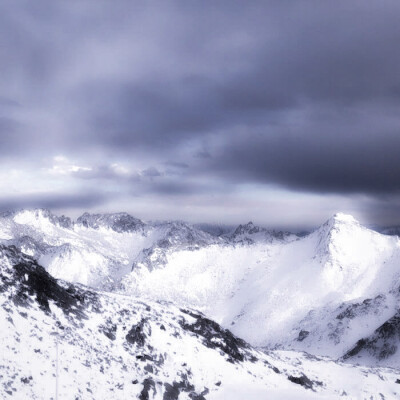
7	104
273	59
328	156
173	188
8	127
176	164
12	135
176	188
300	94
202	154
151	172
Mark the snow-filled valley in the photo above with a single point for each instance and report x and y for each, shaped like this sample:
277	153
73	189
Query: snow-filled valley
146	310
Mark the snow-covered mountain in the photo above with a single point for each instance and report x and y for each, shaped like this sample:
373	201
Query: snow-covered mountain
64	338
100	249
97	249
331	293
120	222
321	293
250	234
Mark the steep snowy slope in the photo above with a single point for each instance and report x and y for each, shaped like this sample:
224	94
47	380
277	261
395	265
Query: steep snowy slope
340	262
321	293
68	250
84	344
361	278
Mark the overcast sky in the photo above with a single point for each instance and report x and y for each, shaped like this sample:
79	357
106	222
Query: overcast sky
281	112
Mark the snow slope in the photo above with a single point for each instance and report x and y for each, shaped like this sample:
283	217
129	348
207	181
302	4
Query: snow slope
322	293
85	344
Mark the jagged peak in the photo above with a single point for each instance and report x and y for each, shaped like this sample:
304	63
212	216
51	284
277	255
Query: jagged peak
338	220
87	214
248	228
185	231
249	233
38	215
338	231
119	222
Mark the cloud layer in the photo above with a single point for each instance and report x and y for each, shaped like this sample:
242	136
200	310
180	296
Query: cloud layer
190	102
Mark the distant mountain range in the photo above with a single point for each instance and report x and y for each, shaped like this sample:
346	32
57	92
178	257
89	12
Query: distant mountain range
128	289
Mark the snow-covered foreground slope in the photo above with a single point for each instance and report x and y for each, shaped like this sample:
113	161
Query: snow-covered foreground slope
111	346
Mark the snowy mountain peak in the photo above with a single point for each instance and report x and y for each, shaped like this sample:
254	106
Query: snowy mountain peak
248	228
338	223
338	228
178	232
38	217
251	234
353	256
343	218
118	222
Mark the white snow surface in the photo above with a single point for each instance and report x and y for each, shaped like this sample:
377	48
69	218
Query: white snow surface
96	345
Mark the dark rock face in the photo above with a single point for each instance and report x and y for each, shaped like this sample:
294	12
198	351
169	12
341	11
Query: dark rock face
172	391
248	228
25	243
119	222
214	336
302	335
64	222
382	344
304	381
136	335
109	329
360	345
31	279
242	234
148	384
367	306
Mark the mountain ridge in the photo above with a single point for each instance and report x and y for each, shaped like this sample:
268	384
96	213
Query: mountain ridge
319	293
